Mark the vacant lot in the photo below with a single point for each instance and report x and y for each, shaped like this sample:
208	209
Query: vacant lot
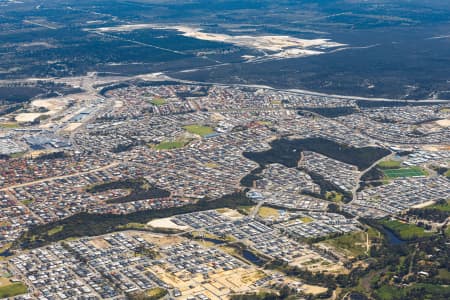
199	129
268	212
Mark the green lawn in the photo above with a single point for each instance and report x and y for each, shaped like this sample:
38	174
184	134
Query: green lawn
169	145
389	164
158	101
199	129
12	290
404	230
404	172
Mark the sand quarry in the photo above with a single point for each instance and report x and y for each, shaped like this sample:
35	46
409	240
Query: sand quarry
284	46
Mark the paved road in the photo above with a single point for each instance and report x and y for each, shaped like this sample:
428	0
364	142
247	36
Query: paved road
255	210
358	179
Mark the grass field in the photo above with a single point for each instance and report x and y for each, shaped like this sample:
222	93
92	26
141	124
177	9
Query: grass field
405	231
158	101
199	129
268	212
27	202
306	219
9	125
55	230
12	290
353	244
441	207
404	172
169	145
389	164
428	291
156	293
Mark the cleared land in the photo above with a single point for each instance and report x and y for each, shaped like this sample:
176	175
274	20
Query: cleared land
268	212
9	125
166	223
199	129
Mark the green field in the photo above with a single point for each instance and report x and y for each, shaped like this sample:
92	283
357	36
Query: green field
55	230
389	164
158	101
447	174
169	145
404	172
199	129
441	206
334	196
353	244
426	291
405	231
12	290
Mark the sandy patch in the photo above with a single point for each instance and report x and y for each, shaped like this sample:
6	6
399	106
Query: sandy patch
27	117
436	147
160	239
4	282
53	105
118	104
422	205
230	213
313	289
443	123
273	43
166	223
286	46
72	126
100	243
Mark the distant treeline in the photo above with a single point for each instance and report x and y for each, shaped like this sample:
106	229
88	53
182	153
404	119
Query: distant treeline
287	152
329	112
140	189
